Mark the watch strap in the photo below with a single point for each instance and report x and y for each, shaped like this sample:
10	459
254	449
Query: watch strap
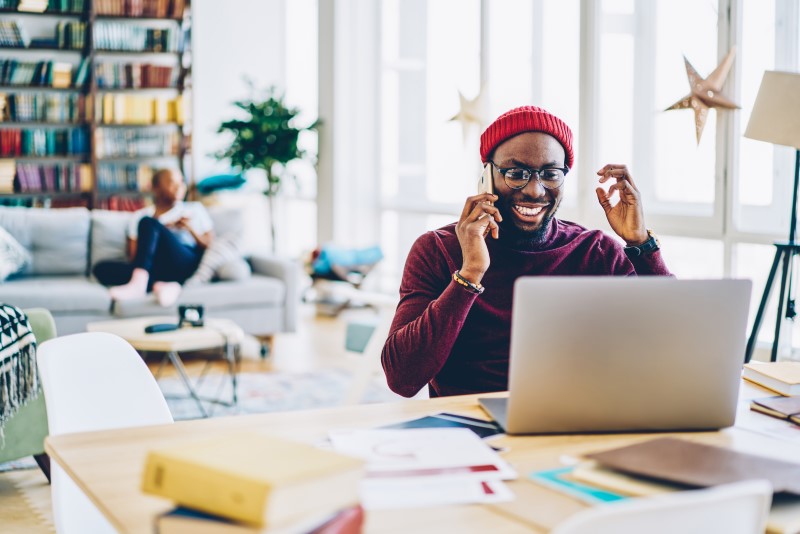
648	247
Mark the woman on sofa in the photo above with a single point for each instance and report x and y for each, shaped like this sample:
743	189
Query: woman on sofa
166	242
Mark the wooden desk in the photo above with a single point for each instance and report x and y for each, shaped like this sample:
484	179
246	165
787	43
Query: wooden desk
108	465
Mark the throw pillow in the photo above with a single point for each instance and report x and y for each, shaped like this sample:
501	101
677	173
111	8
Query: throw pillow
13	256
222	251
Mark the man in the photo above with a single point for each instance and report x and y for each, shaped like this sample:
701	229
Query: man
451	334
165	243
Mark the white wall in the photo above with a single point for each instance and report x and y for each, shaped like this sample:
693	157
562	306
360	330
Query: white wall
231	39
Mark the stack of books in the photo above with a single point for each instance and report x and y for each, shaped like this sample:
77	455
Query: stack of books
133	109
134	75
257	483
32	6
8	170
670	464
135	143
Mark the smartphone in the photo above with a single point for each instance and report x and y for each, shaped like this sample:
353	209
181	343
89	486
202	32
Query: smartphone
485	183
485	186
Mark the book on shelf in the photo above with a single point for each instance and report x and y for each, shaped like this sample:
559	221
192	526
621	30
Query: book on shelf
43	107
71	34
8	171
39	142
37	73
263	481
32	6
135	109
780	377
34	177
187	521
123	37
780	407
141	8
111	75
13	34
123	177
111	143
120	203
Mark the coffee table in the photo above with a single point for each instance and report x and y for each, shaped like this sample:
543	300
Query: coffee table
215	333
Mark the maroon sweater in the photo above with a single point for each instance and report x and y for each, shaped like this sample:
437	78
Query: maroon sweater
458	342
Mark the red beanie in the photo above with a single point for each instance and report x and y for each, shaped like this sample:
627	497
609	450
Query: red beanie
526	119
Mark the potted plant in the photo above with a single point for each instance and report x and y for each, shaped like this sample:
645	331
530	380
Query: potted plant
266	138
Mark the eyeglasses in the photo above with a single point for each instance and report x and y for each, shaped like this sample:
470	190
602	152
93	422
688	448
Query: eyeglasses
518	177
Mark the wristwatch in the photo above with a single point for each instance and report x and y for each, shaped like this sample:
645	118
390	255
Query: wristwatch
648	247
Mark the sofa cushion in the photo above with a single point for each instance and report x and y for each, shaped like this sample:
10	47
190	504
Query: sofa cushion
254	291
58	239
109	231
108	235
13	256
57	294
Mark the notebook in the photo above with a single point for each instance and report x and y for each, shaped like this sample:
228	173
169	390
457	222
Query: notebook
698	465
615	354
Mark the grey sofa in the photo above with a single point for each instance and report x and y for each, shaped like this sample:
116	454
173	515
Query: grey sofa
66	243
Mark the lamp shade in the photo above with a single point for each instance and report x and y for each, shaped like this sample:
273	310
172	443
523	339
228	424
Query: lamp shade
776	113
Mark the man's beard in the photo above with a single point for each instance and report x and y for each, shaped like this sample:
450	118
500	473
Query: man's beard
519	238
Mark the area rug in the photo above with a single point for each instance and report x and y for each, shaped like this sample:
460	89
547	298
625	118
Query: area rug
25	503
268	392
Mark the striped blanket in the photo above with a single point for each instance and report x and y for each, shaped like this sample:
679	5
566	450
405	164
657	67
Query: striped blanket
19	380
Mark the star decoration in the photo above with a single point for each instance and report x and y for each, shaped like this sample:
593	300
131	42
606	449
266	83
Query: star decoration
706	93
470	112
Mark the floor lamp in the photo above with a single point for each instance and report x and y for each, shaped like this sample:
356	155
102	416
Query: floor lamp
776	119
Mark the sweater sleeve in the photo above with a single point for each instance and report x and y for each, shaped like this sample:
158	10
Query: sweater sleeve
428	320
651	265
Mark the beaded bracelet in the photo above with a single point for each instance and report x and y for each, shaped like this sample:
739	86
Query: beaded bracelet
475	288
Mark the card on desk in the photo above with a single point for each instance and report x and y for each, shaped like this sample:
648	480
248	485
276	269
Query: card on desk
697	465
482	428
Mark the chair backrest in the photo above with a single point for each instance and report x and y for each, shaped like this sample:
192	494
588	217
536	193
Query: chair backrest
739	508
42	324
93	381
97	381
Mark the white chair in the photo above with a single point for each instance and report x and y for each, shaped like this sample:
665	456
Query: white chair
93	381
739	508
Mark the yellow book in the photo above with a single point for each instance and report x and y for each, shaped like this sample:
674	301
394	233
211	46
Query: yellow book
108	108
160	110
781	377
260	480
87	178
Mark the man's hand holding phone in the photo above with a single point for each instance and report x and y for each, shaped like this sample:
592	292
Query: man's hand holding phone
478	219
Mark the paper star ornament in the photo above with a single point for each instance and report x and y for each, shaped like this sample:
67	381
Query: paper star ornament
706	93
471	112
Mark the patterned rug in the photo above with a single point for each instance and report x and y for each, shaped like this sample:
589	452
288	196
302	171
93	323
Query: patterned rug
269	392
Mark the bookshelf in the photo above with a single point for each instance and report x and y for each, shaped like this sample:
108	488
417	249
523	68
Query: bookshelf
94	95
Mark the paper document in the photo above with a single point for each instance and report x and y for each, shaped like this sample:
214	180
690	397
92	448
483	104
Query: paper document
419	467
423	452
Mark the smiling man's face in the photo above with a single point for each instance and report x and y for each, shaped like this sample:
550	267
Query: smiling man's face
527	212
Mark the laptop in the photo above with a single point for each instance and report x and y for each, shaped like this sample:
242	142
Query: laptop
623	354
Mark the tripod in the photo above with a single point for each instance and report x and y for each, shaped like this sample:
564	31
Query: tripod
785	253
